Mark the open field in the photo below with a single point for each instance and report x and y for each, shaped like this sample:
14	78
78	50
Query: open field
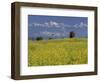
57	52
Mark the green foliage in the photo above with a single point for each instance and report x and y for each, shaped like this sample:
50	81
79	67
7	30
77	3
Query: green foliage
50	38
39	38
57	52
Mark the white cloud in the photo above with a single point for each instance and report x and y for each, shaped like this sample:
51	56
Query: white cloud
38	25
46	24
57	34
50	24
47	33
53	24
76	26
81	25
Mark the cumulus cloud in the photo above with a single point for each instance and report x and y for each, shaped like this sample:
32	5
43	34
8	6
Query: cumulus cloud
76	26
38	24
50	24
53	34
47	33
53	24
81	25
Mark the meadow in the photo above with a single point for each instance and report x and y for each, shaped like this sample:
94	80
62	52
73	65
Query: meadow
57	52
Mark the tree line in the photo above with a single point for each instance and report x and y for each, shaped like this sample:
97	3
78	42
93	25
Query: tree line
71	35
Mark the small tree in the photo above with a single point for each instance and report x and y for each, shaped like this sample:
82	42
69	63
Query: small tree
71	34
50	38
39	38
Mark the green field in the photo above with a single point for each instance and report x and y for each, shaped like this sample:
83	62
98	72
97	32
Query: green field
57	52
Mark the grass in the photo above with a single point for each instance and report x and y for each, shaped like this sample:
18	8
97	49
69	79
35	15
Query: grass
57	52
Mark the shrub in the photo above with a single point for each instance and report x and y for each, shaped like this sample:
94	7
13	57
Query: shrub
39	38
50	38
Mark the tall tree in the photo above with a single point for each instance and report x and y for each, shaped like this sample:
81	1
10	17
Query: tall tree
71	34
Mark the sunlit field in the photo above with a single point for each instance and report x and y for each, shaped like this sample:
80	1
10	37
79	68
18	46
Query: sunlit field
57	52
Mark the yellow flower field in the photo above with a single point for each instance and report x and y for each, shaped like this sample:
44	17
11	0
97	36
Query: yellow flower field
57	52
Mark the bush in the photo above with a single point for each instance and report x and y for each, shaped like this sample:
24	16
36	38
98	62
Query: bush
50	38
39	38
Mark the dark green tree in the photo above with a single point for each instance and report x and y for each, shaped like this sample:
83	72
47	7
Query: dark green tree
71	34
39	38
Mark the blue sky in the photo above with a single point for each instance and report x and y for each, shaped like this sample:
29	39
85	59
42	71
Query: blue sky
58	26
